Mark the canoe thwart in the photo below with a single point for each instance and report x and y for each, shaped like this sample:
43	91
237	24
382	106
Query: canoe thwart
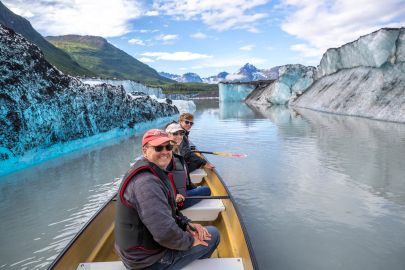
212	263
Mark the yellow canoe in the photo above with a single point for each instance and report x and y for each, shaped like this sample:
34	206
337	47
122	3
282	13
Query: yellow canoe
95	241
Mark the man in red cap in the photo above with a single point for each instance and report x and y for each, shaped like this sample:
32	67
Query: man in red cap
150	232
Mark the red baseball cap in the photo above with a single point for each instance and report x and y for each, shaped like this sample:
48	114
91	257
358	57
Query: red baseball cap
155	137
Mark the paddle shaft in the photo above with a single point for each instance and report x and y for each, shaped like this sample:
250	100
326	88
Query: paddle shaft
220	153
206	197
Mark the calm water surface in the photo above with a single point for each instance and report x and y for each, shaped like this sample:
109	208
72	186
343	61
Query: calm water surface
317	191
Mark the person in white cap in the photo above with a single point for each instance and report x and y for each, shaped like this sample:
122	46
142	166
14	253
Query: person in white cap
181	177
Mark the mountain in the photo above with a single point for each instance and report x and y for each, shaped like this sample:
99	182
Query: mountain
216	78
105	60
53	55
174	77
250	73
190	77
246	73
186	77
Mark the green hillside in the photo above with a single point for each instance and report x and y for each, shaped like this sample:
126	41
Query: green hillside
105	60
53	55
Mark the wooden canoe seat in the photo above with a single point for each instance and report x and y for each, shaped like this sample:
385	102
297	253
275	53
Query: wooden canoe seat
197	176
212	264
205	210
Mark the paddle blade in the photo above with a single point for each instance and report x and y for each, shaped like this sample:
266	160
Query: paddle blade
229	154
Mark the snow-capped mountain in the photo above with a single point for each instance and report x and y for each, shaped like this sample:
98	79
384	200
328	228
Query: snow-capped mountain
170	76
216	78
245	74
186	77
250	73
191	77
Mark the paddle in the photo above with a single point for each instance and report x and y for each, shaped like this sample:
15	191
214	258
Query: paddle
206	197
221	153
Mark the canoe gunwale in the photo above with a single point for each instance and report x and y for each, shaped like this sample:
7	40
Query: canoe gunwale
242	223
81	231
229	197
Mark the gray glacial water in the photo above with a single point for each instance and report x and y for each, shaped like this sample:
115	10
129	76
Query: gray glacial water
316	191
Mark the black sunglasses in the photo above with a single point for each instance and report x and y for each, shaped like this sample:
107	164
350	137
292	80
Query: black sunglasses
159	148
181	133
188	122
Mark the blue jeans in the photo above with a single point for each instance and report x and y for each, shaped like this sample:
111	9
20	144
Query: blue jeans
177	259
198	191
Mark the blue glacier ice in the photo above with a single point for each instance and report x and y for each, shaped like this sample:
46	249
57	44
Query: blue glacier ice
292	79
231	92
372	50
129	86
40	107
362	78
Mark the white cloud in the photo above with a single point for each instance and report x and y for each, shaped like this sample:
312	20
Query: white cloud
83	17
219	15
176	56
233	62
167	39
199	35
330	24
247	47
146	60
152	13
144	31
136	41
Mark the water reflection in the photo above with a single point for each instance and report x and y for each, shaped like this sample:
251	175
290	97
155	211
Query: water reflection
43	207
236	110
316	191
370	152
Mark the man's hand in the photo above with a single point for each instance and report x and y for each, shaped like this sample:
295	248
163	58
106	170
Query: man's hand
180	198
198	231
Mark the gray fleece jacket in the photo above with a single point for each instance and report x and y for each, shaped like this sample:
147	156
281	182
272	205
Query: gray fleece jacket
148	196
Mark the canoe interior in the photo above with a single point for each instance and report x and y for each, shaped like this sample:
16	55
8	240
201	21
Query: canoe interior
95	242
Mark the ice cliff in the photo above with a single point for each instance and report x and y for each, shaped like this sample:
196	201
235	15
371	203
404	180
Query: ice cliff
231	92
292	80
129	86
40	106
362	78
135	88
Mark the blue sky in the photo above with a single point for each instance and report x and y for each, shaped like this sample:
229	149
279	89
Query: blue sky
210	36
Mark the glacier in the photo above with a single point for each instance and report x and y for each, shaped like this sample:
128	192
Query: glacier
41	107
231	92
362	78
129	86
133	88
292	80
385	46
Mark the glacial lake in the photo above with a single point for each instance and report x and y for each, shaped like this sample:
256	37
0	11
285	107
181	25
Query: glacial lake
316	191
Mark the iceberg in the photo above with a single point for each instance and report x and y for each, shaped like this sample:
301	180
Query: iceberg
362	78
41	107
129	86
293	80
372	50
184	105
135	89
231	92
